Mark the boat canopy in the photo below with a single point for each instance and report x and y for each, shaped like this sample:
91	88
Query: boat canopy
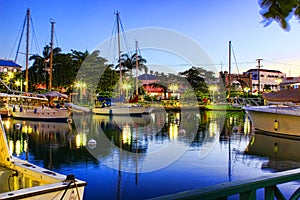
287	95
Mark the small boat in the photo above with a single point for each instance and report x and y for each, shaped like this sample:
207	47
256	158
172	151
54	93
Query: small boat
122	108
37	108
23	180
279	118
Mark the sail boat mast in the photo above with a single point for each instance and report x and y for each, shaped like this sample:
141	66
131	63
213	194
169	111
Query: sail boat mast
136	69
51	54
27	48
119	51
229	69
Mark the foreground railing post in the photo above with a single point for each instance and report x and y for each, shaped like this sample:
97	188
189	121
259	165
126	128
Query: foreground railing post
249	195
270	192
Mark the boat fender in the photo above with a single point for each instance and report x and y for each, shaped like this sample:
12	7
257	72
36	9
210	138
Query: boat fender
276	124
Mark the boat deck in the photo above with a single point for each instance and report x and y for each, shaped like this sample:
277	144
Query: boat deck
6	179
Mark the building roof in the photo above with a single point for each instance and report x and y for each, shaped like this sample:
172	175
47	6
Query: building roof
8	63
147	77
288	95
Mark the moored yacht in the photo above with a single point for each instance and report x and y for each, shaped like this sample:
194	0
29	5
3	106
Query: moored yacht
282	117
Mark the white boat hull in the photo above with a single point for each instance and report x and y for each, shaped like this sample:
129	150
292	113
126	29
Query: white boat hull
52	114
122	110
287	119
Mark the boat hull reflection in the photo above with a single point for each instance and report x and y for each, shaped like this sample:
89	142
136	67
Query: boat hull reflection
282	151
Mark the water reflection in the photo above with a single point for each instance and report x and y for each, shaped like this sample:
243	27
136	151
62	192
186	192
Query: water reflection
191	149
154	140
52	144
281	151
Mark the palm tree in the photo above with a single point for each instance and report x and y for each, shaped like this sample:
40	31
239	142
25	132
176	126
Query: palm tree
37	71
129	63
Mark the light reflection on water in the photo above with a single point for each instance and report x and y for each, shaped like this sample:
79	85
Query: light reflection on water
143	157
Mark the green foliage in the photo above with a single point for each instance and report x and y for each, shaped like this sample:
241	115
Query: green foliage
128	63
280	11
196	78
108	82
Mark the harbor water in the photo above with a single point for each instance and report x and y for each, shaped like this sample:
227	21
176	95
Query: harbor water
125	157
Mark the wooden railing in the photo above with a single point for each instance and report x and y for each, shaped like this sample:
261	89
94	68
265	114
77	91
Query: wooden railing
245	188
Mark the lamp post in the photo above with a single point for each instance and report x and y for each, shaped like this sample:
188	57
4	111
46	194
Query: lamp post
213	89
17	83
174	87
126	87
246	90
80	86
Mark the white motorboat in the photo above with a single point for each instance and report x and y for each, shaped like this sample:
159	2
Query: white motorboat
277	118
20	179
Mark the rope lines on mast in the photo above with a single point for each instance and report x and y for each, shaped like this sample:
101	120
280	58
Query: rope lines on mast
19	44
235	60
19	38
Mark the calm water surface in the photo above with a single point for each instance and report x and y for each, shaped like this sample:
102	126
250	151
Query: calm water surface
143	157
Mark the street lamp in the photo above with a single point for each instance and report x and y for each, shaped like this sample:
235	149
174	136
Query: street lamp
213	89
174	87
126	87
246	90
17	83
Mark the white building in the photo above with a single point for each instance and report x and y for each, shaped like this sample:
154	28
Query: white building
265	79
290	83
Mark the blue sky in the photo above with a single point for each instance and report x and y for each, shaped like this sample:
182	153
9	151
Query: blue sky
82	25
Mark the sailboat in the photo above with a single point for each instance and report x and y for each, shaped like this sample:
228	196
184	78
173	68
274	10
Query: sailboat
36	107
225	105
121	108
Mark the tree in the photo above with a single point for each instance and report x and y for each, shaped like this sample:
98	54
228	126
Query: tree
107	83
130	63
280	11
195	77
37	73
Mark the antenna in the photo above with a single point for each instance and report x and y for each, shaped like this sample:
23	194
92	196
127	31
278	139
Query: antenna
258	72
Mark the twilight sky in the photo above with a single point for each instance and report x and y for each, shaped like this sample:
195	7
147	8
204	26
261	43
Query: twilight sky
83	25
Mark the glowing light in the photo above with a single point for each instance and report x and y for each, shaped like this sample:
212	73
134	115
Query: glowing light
173	131
126	134
80	140
11	146
7	124
18	147
25	146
